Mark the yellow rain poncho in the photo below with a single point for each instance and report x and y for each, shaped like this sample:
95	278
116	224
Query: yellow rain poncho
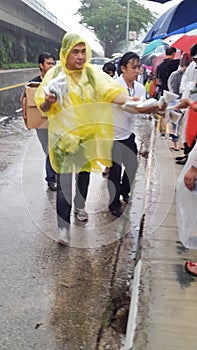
81	128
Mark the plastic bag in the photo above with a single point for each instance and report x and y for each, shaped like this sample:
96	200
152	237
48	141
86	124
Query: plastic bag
186	210
58	86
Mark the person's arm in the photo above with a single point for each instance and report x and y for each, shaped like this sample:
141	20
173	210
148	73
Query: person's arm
49	100
122	98
186	102
158	78
191	174
190	177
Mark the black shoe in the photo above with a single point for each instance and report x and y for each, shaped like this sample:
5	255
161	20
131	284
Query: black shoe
126	199
117	212
52	186
180	157
182	162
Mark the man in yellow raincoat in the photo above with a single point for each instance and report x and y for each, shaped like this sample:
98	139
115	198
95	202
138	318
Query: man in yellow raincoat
79	109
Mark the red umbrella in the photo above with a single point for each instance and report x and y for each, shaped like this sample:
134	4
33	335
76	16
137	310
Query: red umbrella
170	40
185	43
181	41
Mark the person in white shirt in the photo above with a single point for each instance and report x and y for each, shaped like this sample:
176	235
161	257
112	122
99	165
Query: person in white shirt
124	149
190	178
188	82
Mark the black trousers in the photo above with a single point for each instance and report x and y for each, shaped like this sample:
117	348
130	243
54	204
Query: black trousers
64	195
124	152
188	149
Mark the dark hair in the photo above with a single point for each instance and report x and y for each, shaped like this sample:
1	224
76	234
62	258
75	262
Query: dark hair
44	56
170	50
109	66
127	57
185	60
193	50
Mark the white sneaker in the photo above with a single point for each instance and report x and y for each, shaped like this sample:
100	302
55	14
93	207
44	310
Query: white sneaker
82	215
64	236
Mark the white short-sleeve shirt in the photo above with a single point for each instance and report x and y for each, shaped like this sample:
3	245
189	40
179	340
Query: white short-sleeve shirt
123	121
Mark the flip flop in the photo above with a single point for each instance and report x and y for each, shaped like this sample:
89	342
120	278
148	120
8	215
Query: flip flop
174	149
191	268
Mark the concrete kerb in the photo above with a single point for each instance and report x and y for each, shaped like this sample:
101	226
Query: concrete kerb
132	317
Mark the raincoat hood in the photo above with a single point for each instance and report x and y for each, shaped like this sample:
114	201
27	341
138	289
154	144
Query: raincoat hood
68	42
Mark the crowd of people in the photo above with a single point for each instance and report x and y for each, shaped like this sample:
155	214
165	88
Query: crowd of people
182	81
91	124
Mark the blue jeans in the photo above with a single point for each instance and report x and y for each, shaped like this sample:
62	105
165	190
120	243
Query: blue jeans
43	138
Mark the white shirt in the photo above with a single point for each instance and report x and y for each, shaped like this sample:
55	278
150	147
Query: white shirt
193	156
123	121
189	79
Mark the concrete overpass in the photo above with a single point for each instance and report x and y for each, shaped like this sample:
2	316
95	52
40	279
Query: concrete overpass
29	20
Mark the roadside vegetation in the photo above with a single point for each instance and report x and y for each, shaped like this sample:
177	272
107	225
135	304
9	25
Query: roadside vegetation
107	18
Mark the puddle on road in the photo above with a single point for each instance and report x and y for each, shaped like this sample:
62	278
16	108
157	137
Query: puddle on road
77	283
13	134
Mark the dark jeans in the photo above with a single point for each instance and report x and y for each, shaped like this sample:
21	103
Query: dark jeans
123	152
64	195
43	138
50	173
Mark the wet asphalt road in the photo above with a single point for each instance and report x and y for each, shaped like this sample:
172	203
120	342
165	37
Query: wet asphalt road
52	297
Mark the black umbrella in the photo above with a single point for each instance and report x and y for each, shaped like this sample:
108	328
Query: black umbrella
147	59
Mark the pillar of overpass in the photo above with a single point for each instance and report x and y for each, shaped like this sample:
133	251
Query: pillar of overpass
21	49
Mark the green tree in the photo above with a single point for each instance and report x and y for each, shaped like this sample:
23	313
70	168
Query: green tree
108	20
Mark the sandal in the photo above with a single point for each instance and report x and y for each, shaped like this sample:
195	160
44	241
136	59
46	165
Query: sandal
174	149
191	268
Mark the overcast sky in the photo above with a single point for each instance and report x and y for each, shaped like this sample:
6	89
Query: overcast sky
65	11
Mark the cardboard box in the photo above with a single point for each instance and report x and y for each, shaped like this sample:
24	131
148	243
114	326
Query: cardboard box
34	118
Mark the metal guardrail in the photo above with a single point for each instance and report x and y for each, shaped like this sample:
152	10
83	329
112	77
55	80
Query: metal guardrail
43	11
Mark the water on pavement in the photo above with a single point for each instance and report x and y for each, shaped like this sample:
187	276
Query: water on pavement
56	297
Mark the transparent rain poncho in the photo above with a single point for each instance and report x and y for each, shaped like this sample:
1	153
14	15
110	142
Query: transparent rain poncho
80	122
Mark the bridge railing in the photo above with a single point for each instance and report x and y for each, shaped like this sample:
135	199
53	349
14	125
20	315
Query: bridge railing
44	12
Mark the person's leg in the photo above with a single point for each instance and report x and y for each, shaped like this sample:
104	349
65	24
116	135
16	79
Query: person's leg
187	150
130	164
175	142
162	126
64	205
82	183
114	179
50	173
43	138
